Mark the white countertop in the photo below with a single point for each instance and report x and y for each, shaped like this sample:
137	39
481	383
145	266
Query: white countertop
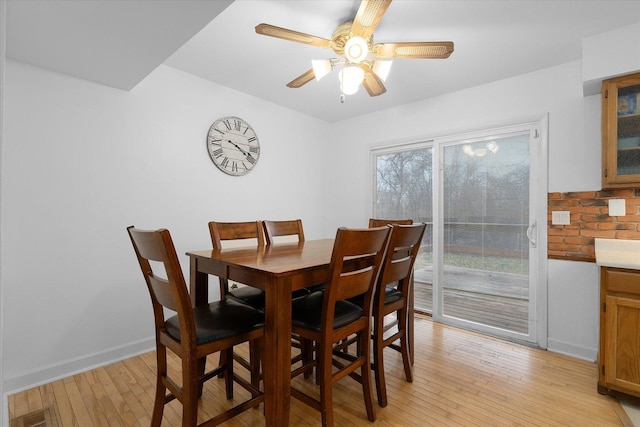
619	253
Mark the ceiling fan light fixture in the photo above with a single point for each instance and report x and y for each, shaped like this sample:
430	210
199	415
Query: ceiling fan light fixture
321	67
350	78
382	69
468	150
493	146
356	49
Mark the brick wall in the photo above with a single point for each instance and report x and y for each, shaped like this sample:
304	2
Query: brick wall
589	211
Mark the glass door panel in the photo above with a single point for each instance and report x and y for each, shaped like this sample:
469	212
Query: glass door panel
404	190
485	261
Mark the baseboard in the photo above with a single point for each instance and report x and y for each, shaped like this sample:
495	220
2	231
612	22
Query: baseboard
74	366
577	351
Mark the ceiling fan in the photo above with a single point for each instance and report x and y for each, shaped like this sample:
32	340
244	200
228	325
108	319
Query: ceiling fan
362	61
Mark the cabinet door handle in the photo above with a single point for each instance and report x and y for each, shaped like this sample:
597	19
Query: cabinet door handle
532	232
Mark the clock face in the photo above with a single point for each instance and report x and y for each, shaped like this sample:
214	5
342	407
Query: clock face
233	146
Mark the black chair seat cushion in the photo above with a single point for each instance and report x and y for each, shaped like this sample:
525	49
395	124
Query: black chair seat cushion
251	296
255	298
307	312
316	288
218	320
391	294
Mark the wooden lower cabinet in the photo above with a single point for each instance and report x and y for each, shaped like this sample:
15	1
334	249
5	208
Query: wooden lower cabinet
619	352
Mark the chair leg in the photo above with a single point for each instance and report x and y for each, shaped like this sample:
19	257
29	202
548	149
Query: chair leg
306	348
256	350
326	382
255	359
378	363
404	347
190	393
158	402
366	376
228	372
222	362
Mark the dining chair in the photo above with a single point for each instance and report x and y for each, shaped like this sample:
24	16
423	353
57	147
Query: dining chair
238	231
193	332
288	228
326	317
273	229
379	222
393	295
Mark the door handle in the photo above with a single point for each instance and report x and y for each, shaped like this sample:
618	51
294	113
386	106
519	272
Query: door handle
532	233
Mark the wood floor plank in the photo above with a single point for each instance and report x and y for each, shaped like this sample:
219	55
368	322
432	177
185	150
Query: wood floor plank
461	379
34	399
20	403
63	405
80	410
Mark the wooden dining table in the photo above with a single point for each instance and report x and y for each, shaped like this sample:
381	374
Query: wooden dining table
277	269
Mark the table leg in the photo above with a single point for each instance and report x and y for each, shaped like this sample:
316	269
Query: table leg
198	284
199	294
277	357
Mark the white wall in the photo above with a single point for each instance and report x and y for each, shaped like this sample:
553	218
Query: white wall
608	55
84	161
574	165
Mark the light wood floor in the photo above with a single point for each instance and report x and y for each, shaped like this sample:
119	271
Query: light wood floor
461	379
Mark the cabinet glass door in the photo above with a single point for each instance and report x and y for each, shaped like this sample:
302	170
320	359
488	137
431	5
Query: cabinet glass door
628	135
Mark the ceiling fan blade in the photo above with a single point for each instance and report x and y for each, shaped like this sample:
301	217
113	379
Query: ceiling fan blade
294	36
301	79
372	82
369	15
426	50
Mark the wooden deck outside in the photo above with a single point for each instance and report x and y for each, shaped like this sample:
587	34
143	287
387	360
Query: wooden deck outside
495	299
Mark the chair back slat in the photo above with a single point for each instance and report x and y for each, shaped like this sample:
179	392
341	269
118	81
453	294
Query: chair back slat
274	229
221	231
162	292
379	222
354	283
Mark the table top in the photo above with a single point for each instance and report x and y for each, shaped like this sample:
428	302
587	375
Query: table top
276	259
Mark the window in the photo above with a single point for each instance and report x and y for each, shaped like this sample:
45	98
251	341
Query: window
404	190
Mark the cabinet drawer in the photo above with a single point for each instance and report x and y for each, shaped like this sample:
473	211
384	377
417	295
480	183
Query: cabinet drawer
623	281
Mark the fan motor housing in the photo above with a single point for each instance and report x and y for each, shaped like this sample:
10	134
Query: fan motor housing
341	35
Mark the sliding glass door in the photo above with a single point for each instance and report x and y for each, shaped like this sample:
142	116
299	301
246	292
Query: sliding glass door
481	195
485	205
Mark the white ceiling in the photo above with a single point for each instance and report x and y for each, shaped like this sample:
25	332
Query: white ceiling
118	43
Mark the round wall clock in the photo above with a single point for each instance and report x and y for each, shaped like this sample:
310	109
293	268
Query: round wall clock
233	146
